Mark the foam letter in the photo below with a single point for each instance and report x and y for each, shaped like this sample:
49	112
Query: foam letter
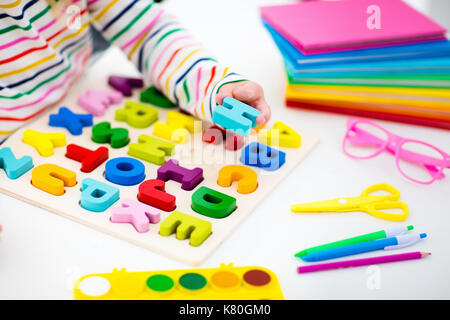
97	196
71	121
179	120
189	178
246	177
235	116
96	101
136	213
216	135
44	142
103	133
153	96
151	149
125	85
125	171
186	226
152	192
137	115
176	135
281	135
212	203
262	156
13	167
177	127
89	159
52	178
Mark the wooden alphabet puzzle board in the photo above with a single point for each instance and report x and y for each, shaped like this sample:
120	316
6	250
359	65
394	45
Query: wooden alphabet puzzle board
211	158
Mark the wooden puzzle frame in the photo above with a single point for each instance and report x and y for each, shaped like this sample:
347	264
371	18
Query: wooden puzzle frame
211	159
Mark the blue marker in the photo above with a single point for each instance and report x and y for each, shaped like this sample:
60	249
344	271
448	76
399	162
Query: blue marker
380	244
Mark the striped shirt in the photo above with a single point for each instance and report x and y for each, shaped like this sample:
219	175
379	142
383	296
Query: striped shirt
45	44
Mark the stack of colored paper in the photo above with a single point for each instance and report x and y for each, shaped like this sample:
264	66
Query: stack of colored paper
376	58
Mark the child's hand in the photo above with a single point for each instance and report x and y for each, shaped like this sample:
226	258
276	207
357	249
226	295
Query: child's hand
248	92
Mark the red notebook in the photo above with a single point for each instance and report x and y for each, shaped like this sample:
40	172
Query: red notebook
330	26
430	122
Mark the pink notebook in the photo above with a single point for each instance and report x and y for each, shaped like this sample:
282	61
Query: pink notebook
330	26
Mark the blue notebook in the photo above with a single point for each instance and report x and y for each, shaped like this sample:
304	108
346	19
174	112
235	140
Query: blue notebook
410	51
408	66
436	65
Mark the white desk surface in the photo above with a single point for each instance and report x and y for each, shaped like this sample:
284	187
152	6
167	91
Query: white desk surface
41	254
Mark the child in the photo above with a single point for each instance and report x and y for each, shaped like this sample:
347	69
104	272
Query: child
45	44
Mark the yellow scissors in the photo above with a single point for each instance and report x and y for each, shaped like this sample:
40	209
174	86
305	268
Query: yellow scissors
365	202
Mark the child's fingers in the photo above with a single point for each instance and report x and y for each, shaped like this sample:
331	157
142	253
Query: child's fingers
265	115
225	91
252	94
247	92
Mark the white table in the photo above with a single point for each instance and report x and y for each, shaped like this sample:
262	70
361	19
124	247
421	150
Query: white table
42	253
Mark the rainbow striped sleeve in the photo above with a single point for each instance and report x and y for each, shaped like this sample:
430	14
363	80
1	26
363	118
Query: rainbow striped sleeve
45	44
168	56
41	56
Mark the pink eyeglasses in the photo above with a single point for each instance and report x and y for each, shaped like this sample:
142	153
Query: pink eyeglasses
418	161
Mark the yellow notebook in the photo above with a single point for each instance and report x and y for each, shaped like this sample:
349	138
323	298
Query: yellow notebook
436	108
405	91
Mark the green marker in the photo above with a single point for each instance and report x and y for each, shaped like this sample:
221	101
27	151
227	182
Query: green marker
392	232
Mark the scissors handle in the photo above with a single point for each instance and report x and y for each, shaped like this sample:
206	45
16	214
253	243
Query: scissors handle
394	193
375	209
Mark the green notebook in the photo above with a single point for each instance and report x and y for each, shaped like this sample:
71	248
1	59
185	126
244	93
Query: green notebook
424	80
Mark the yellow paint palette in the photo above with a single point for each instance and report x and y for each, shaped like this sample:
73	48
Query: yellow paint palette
224	283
